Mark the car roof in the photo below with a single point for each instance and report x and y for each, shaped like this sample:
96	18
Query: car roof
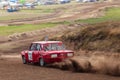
45	42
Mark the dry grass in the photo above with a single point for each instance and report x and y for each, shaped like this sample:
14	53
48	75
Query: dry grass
101	37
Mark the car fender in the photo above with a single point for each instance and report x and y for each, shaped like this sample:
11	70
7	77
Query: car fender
23	53
42	56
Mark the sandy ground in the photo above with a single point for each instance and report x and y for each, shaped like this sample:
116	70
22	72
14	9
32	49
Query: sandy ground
11	68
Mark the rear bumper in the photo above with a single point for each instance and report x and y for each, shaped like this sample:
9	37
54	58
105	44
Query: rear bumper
52	60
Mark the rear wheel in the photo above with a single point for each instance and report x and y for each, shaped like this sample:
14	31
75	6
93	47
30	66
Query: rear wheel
41	62
24	60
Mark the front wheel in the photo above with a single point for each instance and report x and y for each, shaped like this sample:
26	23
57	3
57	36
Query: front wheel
41	62
24	60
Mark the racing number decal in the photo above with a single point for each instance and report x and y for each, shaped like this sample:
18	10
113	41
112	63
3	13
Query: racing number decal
30	55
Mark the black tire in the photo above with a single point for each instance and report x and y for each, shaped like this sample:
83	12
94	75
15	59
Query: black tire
24	60
41	62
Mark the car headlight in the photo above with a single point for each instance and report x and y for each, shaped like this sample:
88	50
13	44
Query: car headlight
54	56
70	54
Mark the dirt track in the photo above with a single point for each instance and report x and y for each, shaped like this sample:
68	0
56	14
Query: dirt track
78	11
13	69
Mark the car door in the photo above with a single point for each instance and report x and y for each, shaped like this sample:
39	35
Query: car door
38	51
32	52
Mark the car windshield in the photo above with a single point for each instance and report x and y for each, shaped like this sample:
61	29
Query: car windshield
54	46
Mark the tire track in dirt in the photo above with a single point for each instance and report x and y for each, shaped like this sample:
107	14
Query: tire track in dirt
88	10
15	70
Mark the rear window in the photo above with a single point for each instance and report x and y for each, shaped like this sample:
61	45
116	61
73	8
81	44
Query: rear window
54	46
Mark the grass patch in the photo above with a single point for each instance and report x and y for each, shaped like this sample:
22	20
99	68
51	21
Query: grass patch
111	14
17	16
7	30
38	10
25	13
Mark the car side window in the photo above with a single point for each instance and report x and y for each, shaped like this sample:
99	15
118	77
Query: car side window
38	47
33	47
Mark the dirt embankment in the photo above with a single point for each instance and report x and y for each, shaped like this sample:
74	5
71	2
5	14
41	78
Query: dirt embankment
98	37
100	43
17	42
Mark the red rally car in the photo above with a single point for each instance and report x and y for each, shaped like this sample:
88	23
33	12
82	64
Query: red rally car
45	52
